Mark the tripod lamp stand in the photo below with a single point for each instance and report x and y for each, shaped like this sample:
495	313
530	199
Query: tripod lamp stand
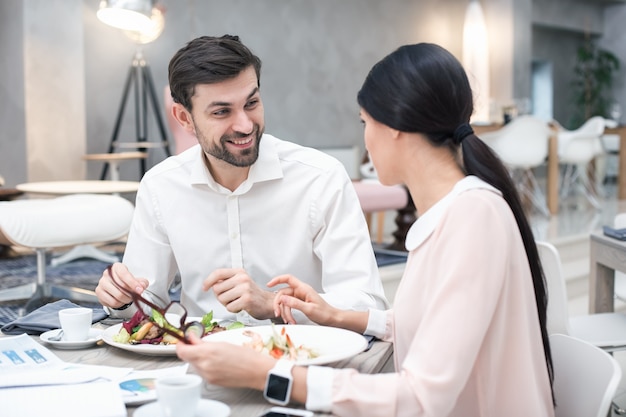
143	22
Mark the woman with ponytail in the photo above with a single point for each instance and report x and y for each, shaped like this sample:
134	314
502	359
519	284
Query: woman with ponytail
469	316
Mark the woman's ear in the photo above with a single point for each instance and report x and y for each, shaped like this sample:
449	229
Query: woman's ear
393	133
183	117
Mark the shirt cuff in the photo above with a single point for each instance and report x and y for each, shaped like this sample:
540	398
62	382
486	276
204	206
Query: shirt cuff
120	314
376	323
319	382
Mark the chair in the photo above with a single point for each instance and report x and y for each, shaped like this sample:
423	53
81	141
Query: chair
585	377
375	197
577	149
522	145
183	139
72	220
605	330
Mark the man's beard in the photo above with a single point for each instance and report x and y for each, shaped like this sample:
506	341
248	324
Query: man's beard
244	158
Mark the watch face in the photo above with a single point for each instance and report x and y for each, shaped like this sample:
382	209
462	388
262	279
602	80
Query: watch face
277	387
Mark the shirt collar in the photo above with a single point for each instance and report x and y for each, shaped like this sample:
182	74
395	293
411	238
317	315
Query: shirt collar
425	224
267	167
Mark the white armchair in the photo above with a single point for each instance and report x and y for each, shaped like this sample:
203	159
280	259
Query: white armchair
577	148
522	145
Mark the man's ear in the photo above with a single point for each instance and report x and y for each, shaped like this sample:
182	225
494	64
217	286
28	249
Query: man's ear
183	117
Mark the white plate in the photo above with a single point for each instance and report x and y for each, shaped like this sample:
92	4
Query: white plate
332	344
144	349
94	336
206	408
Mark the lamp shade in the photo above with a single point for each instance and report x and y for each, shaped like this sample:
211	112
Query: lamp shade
127	14
149	34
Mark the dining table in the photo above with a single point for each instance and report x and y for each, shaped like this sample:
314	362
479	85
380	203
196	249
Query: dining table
377	358
606	256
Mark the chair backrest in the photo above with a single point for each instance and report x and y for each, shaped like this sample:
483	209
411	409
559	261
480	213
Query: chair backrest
183	139
522	143
558	316
585	377
583	144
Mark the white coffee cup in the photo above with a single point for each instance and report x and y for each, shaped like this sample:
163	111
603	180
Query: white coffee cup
75	323
179	395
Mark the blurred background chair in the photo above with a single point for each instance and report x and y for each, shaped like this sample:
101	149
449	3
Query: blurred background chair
55	223
585	378
606	331
577	151
522	145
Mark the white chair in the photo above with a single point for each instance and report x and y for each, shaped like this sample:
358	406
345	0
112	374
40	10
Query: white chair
605	330
72	220
585	377
577	149
522	145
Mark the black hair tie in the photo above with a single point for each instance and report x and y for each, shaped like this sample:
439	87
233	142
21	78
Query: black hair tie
461	132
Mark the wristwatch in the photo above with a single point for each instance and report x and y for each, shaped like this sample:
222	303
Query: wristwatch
278	383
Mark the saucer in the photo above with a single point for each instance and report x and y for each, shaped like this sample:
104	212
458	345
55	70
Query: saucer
206	408
94	337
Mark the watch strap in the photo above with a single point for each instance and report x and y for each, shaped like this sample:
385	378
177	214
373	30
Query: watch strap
283	366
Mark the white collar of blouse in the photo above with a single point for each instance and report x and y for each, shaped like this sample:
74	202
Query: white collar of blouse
425	224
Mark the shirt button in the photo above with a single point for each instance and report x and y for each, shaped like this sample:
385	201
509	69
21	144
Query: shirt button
234	235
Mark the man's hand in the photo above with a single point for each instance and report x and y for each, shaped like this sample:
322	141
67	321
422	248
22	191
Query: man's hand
236	290
116	284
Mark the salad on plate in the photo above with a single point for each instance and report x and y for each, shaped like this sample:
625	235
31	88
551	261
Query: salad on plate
141	329
279	345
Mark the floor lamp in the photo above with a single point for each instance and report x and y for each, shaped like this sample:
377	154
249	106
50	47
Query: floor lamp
140	78
143	22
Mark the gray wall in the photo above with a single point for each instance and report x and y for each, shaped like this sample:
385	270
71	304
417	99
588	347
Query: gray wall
315	54
12	114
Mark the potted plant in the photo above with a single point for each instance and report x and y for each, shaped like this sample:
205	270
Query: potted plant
594	71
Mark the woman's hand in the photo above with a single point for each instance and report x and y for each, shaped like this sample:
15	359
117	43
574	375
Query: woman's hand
225	364
303	297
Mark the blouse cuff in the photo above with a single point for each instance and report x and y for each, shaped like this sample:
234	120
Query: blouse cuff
319	382
376	323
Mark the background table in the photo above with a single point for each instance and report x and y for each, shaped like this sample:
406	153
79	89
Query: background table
607	256
79	187
243	402
621	168
113	160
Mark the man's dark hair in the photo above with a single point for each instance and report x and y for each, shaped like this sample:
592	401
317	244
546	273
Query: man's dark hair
208	60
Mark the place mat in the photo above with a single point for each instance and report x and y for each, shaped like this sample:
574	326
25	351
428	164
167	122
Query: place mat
45	318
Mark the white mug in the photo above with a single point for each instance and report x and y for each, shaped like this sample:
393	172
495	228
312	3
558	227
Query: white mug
179	395
75	323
